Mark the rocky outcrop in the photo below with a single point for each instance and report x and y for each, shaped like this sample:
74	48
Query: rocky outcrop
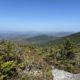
63	75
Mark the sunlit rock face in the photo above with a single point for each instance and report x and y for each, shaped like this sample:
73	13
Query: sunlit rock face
63	75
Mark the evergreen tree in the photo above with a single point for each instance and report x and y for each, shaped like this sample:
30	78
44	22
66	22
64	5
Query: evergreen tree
67	51
68	44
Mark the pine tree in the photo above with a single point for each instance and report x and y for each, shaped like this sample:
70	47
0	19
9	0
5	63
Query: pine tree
67	51
68	44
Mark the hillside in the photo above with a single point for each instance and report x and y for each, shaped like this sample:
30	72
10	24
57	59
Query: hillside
31	62
44	39
33	38
64	53
75	38
22	63
41	39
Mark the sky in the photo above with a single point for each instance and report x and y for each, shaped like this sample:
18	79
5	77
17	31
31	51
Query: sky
40	15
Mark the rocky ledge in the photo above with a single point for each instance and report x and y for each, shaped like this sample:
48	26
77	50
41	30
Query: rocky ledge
63	75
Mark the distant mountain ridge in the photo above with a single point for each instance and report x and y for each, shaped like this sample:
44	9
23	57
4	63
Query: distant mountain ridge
33	38
75	38
41	39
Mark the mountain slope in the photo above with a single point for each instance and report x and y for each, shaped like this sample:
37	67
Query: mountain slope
75	38
39	40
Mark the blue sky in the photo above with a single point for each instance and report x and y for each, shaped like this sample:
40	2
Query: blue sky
40	15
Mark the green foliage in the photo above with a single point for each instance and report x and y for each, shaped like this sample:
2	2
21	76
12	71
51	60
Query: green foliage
8	60
21	66
7	66
68	44
67	51
15	60
18	62
66	57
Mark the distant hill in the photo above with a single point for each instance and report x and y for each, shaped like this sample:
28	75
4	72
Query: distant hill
61	34
40	39
15	36
75	38
33	38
